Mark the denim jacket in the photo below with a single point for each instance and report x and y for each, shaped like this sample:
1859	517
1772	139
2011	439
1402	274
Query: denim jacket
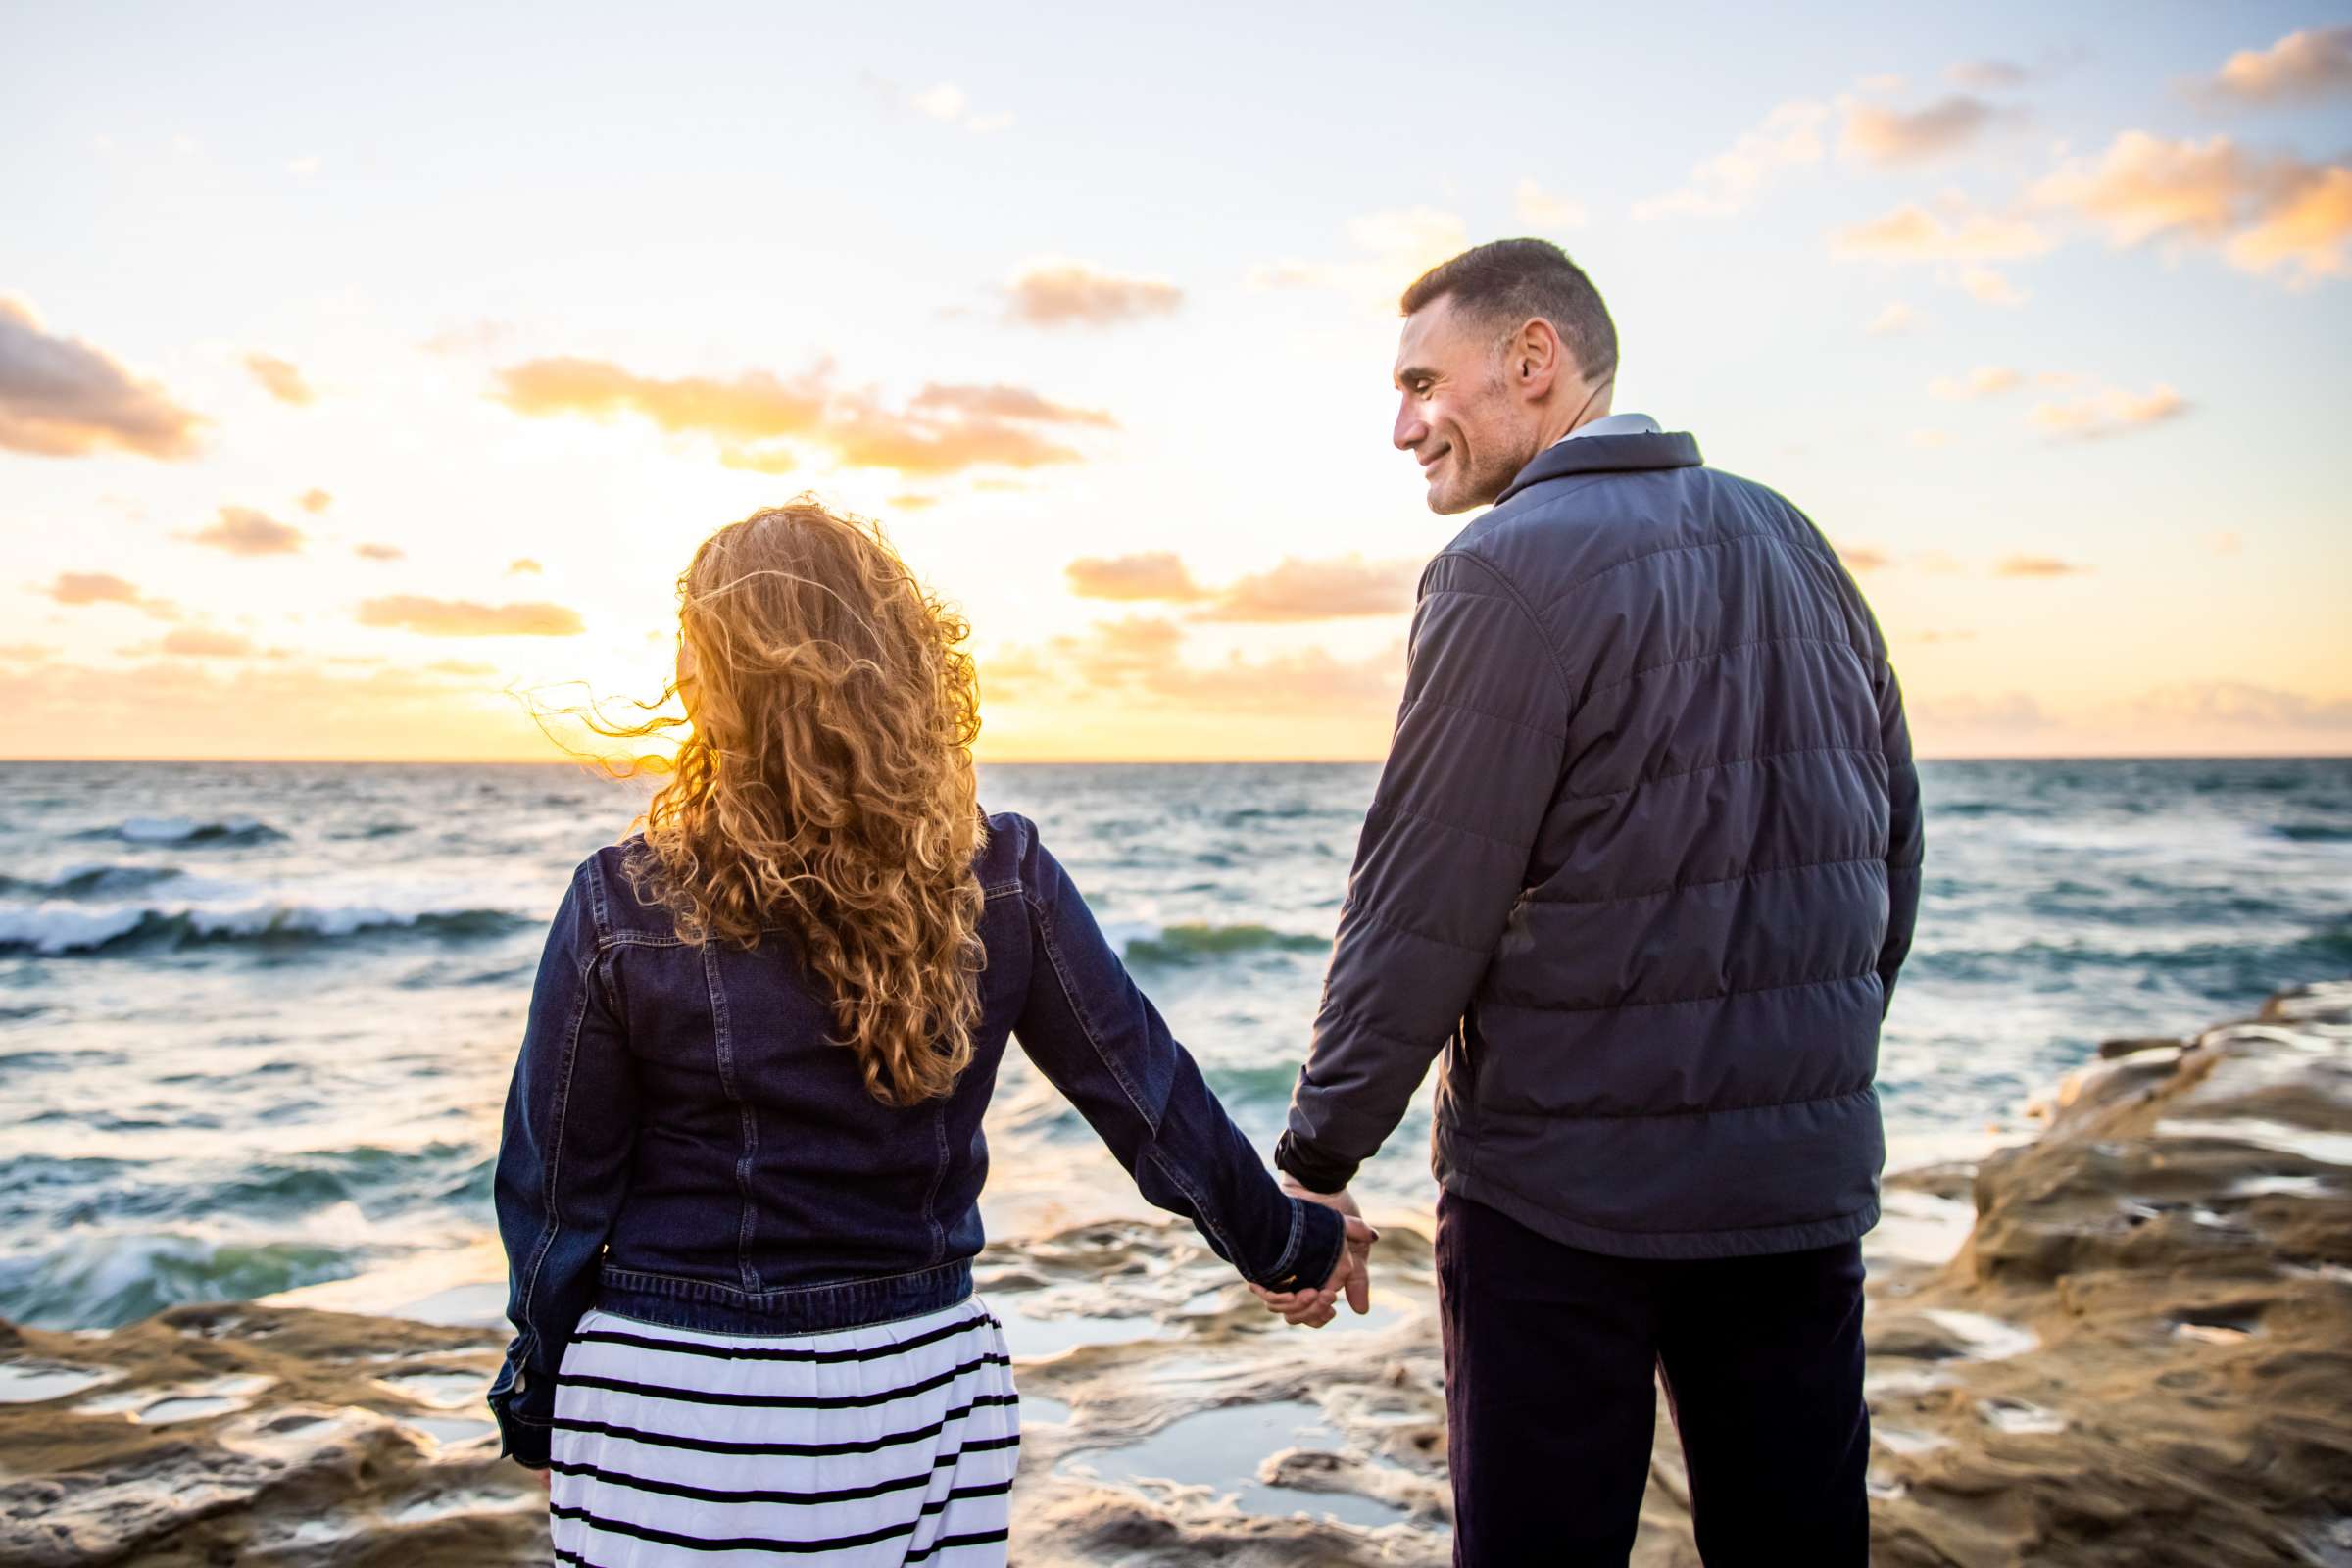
684	1145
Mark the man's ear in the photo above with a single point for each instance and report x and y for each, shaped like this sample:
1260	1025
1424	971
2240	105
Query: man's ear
1537	358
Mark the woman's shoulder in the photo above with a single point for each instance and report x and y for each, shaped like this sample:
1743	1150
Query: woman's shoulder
620	903
1007	860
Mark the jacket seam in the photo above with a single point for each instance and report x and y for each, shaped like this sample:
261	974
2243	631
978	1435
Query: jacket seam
1682	1115
1379	807
554	1162
1349	1020
1201	1207
1704	544
1711	882
723	1049
1559	666
1684	1002
1500	718
1408	931
1724	762
939	1174
1086	1027
1718	652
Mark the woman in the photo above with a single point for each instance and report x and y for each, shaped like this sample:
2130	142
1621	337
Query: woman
742	1156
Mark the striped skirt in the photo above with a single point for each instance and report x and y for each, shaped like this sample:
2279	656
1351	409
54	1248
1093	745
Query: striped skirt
894	1443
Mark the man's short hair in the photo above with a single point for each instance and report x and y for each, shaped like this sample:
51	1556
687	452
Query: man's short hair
1508	281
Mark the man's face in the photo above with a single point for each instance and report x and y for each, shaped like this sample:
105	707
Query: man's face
1455	413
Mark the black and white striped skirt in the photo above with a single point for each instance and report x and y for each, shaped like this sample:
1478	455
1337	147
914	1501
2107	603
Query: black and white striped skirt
894	1443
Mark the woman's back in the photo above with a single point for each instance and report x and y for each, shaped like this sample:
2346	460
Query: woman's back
738	1181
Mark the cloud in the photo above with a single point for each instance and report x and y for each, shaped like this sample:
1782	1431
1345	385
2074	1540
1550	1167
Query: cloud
1002	401
1993	287
377	551
1896	317
304	165
1052	291
1985	381
2262	212
2037	566
2223	543
1141	656
951	105
1789	137
1862	557
2241	704
755	417
1990	75
1545	212
92	588
522	567
1319	590
462	666
281	380
1955	231
2109	410
2302	65
196	641
1393	246
243	531
61	398
462	617
1160	574
910	501
1876	134
753	405
2010	711
1927	439
314	501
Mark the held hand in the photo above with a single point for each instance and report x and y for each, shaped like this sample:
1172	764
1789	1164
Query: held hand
1351	1276
1360	1248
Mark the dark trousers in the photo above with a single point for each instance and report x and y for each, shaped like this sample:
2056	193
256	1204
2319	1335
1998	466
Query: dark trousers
1549	1402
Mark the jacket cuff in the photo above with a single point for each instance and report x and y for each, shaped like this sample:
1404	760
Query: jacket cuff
519	1437
1317	1234
1316	1171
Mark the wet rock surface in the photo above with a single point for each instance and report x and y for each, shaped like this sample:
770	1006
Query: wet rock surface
2140	1354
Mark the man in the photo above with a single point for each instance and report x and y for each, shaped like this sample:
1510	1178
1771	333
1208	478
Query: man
1641	866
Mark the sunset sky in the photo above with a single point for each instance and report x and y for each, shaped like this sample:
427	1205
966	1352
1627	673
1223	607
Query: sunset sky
360	372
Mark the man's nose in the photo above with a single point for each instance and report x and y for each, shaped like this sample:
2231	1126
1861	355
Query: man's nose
1409	428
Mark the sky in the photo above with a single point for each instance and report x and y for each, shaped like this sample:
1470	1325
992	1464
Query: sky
366	381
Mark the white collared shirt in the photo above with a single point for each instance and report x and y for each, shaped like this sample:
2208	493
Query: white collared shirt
1614	424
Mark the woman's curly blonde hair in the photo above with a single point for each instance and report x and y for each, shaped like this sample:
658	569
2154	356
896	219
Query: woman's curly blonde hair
825	786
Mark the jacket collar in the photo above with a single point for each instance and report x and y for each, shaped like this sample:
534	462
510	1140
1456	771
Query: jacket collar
1607	453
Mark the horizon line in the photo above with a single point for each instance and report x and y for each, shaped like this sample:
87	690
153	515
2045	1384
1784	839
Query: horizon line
589	765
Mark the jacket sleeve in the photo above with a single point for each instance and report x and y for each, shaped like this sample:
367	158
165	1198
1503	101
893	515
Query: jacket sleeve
1099	1041
1442	864
1906	846
563	1170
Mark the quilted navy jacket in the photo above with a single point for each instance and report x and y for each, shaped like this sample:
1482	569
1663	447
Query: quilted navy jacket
1642	868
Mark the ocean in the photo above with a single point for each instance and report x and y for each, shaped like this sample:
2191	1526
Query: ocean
257	1019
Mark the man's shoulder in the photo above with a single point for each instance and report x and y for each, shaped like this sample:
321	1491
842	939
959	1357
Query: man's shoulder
1559	533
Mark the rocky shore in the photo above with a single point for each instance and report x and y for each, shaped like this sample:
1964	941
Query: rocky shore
2142	1353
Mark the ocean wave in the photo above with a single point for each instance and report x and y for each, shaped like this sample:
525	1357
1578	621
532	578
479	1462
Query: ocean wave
2315	832
56	930
103	1282
228	831
1206	944
91	881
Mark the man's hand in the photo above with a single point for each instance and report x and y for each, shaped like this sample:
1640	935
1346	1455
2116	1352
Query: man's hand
1351	1276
